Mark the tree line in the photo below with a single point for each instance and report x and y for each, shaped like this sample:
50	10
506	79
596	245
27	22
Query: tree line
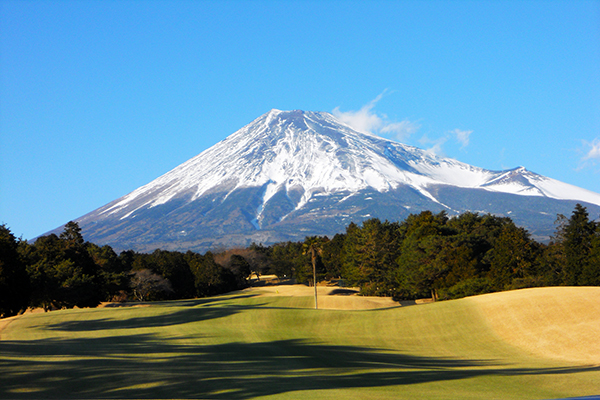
433	255
426	255
65	271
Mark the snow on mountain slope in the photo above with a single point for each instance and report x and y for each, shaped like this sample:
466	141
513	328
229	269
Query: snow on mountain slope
319	154
292	174
523	182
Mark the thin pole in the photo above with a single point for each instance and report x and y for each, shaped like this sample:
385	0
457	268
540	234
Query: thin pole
315	277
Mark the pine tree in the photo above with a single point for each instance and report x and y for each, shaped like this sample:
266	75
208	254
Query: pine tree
590	275
14	281
577	245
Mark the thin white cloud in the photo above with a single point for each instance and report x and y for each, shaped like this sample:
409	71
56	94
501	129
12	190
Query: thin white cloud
367	120
400	130
437	148
462	137
434	145
593	150
590	155
362	120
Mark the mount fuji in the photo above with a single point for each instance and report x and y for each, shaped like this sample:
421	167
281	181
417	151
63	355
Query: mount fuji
292	174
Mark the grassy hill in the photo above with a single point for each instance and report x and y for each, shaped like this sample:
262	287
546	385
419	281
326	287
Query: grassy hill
269	343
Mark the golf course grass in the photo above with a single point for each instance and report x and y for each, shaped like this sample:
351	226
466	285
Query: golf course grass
271	343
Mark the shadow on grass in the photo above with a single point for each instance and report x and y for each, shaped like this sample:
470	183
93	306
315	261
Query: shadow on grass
181	303
343	292
195	310
144	366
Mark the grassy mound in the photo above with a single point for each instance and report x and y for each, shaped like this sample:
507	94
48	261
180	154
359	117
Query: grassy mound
270	344
559	322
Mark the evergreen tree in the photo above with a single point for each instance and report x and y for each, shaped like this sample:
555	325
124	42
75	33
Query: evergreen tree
240	268
287	259
71	236
590	274
578	235
457	261
333	256
172	266
417	273
370	254
62	272
209	277
512	257
112	272
14	281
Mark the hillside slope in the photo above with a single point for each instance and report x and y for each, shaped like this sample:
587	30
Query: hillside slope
556	322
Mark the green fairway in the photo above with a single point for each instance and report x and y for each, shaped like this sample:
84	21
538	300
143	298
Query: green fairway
244	345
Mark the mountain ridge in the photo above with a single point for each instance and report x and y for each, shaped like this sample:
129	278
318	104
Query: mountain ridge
308	172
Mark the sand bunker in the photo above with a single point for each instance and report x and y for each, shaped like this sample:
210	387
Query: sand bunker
555	322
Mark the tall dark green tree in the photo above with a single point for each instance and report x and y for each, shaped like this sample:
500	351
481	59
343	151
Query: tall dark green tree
112	273
417	274
579	233
370	254
45	253
457	261
590	273
71	236
14	281
552	256
333	256
62	272
512	258
286	259
240	268
172	266
209	277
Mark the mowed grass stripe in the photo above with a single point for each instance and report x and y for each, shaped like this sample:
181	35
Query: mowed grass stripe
247	345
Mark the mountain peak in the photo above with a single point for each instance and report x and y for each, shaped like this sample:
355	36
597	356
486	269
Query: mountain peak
289	174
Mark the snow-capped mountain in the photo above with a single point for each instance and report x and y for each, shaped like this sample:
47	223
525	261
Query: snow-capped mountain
289	174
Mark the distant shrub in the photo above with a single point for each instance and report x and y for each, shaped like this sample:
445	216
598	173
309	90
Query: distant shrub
527	282
469	287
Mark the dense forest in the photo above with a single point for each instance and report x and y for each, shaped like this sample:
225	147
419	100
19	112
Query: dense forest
427	255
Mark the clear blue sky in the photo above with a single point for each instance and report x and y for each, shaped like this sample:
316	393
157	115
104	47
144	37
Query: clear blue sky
100	97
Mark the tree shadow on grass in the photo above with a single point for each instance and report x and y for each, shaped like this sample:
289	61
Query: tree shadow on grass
181	303
145	366
195	311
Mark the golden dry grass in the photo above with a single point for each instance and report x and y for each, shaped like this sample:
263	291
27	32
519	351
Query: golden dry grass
554	322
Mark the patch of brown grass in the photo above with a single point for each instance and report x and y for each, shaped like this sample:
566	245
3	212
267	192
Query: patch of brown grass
554	322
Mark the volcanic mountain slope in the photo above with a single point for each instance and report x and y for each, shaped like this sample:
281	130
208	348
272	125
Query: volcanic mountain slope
290	174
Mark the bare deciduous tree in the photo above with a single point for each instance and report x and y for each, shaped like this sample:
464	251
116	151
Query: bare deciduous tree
145	282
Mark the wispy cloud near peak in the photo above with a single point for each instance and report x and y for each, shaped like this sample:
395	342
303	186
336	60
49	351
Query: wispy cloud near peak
593	150
462	137
367	120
